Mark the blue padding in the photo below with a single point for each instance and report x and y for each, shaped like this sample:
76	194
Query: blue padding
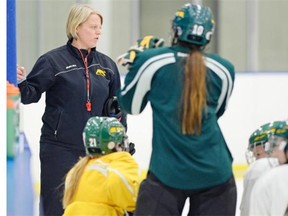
11	42
20	192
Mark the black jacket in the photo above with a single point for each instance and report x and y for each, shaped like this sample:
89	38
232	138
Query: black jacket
61	74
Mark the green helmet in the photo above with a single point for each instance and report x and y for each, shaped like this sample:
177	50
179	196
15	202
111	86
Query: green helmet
101	136
258	137
270	135
193	24
279	134
281	129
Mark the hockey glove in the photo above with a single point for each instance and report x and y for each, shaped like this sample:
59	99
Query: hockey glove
131	148
112	108
142	44
150	41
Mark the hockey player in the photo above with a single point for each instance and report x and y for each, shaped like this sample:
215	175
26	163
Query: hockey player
106	181
270	195
265	151
188	90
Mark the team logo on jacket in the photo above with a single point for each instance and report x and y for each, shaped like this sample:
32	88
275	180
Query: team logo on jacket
101	72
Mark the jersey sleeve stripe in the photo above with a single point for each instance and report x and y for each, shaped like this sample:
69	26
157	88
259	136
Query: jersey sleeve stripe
140	71
144	82
227	83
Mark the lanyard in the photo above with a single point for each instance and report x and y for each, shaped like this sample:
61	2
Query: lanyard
88	102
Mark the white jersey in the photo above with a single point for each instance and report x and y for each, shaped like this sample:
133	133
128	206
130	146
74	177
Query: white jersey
270	194
255	170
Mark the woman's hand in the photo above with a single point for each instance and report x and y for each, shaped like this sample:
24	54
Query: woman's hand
21	73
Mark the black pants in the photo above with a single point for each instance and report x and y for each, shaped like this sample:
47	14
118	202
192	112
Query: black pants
155	198
55	161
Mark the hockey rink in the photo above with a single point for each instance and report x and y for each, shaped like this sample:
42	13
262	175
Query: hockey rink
244	114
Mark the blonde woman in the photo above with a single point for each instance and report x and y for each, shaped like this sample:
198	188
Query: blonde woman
188	90
78	81
106	180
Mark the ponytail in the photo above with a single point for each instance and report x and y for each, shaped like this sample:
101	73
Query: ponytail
72	180
194	93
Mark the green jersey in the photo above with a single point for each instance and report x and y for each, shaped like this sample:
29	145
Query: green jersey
177	160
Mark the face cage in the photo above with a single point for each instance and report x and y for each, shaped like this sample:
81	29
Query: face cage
278	142
250	158
123	146
126	143
250	153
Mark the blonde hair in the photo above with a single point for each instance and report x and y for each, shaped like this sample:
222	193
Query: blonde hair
78	14
72	180
194	94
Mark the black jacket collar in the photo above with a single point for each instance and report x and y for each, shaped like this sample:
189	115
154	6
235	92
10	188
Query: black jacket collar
76	52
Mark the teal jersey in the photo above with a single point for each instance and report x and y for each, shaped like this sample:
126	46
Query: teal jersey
177	160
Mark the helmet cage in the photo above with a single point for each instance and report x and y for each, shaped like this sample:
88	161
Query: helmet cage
251	153
278	142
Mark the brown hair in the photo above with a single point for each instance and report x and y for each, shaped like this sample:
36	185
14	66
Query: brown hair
194	93
72	180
